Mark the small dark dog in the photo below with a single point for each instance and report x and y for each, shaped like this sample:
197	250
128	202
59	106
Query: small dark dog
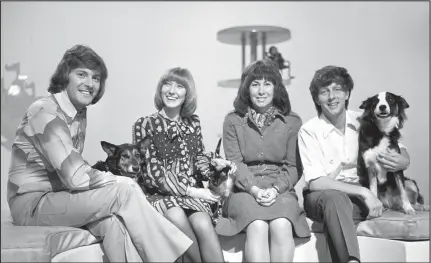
383	117
221	182
125	159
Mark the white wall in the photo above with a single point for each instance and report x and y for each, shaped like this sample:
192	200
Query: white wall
385	46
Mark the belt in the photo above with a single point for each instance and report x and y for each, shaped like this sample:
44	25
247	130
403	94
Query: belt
261	167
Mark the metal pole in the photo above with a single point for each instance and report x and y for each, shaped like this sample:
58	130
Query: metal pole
243	50
253	46
263	45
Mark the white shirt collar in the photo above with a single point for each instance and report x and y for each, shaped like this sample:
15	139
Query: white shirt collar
65	104
327	127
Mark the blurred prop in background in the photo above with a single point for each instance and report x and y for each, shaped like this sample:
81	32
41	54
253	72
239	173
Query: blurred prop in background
282	64
253	36
15	100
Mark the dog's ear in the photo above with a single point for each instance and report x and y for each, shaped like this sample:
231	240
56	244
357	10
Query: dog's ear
403	102
402	105
109	148
217	151
143	145
366	103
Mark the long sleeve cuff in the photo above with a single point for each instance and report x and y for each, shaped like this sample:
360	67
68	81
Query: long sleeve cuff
281	188
248	189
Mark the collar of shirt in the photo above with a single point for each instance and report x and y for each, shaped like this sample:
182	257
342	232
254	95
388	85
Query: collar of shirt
65	104
327	127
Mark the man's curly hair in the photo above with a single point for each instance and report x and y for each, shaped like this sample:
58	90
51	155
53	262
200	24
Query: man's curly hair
78	56
325	77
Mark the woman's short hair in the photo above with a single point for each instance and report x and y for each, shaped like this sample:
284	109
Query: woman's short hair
79	56
184	77
325	77
262	69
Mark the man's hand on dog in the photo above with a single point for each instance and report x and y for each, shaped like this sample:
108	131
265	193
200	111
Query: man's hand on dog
220	163
393	161
374	205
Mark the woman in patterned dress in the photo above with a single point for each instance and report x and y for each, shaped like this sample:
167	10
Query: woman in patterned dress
176	164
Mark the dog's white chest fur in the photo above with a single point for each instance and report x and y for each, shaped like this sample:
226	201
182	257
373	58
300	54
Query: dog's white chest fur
370	159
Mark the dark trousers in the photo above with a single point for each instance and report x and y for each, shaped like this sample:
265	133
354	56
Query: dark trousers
340	214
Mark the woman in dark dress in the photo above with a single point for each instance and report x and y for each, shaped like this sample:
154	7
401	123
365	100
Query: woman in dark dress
176	165
260	137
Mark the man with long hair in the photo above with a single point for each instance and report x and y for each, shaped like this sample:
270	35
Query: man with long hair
50	184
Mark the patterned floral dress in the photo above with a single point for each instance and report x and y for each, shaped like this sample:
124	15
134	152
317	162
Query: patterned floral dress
175	160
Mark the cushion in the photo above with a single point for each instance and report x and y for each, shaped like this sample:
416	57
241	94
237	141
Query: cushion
397	225
391	225
40	244
5	215
91	253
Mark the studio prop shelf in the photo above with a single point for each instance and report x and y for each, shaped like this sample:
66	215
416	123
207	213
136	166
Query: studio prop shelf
253	36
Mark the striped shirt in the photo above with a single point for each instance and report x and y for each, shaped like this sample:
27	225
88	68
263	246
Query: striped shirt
46	153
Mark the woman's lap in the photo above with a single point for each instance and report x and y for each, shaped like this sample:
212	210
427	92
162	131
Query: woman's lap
241	209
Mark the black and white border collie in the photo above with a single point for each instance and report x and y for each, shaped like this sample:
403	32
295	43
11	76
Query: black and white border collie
381	121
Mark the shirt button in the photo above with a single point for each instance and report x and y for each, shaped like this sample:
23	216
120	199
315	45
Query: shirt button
261	153
331	161
261	137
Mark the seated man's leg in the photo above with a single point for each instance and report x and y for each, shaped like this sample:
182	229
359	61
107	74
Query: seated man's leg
116	240
155	238
335	210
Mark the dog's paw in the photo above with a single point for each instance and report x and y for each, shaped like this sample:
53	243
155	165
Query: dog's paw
409	211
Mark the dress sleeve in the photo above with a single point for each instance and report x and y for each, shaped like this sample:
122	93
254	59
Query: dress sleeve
157	173
138	132
202	160
51	137
289	170
243	179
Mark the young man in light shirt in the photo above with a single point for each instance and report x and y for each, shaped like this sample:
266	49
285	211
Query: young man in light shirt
328	145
